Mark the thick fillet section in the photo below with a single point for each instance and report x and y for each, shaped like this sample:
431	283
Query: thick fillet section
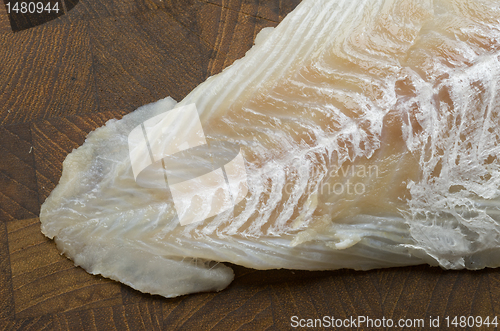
397	99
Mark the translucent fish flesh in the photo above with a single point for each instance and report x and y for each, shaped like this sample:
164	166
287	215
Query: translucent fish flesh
369	136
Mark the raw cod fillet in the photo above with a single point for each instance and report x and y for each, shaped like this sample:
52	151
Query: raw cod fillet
371	139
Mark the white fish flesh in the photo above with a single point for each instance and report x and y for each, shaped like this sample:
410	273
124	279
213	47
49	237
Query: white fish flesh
369	132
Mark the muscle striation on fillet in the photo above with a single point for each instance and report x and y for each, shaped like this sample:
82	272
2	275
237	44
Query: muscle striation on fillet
370	135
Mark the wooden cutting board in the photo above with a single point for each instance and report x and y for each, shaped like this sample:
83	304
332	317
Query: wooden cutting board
103	59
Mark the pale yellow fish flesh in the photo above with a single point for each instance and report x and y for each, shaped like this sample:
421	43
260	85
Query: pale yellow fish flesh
370	135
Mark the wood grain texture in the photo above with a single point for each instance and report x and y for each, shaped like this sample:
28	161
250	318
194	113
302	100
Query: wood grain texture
6	290
19	196
163	59
4	20
271	10
44	281
229	32
235	36
146	316
44	322
101	60
200	18
46	72
237	307
86	10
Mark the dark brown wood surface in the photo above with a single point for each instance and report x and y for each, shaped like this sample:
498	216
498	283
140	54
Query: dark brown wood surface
101	60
